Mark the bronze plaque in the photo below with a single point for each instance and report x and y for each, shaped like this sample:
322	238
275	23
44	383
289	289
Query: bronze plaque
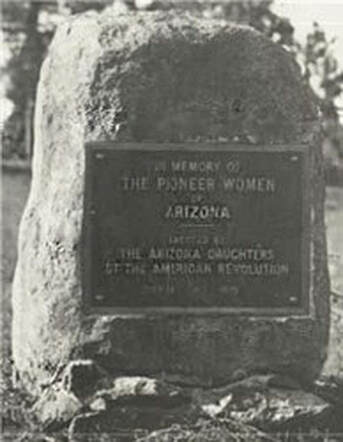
192	228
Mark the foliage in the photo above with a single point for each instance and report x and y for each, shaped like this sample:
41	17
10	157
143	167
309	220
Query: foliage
320	64
316	56
13	11
28	44
319	60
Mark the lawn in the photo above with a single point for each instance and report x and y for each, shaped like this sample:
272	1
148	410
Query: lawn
334	224
15	189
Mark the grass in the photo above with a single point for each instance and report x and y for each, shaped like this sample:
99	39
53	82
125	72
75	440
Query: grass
334	223
15	188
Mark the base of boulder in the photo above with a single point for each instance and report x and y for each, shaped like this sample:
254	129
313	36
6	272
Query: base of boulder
147	409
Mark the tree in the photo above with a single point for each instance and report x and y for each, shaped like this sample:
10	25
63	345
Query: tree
28	40
315	56
321	67
28	45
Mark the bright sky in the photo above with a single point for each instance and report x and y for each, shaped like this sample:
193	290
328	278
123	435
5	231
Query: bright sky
302	13
327	13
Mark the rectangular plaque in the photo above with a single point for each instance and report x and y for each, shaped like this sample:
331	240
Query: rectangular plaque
196	228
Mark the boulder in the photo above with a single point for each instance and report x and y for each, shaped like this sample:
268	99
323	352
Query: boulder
269	402
142	408
164	78
274	410
56	407
144	391
83	378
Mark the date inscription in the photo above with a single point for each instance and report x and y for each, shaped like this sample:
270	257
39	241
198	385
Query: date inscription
196	227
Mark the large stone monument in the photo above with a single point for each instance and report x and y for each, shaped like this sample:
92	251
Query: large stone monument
175	222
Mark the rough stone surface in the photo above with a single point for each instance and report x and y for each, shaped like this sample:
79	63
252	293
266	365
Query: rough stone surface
127	403
130	405
139	407
82	430
83	378
131	418
255	408
56	407
156	77
209	431
145	391
134	403
257	402
279	410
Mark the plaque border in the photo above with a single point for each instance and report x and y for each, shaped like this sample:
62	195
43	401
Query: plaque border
102	147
